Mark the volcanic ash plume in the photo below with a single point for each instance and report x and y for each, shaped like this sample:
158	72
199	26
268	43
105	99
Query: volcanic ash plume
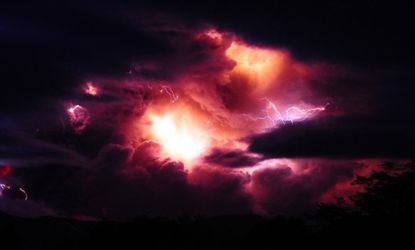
234	90
172	136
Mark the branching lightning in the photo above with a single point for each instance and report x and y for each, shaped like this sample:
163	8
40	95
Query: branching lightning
78	117
169	91
291	114
185	127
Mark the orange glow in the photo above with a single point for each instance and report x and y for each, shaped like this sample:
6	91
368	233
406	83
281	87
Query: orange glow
91	89
193	114
261	66
213	34
180	137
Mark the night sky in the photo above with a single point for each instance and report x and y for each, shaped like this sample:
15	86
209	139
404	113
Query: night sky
116	110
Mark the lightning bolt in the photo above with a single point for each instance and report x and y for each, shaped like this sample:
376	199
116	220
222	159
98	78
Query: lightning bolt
7	187
169	91
291	114
78	116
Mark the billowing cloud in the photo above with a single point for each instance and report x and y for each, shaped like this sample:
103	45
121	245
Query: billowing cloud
232	158
291	189
198	130
338	137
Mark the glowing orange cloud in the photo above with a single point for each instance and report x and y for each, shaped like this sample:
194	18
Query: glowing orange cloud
202	112
91	89
214	35
261	66
193	114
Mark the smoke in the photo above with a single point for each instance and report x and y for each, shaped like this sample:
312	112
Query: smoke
179	134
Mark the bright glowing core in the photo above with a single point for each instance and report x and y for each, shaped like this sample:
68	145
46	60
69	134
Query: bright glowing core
179	138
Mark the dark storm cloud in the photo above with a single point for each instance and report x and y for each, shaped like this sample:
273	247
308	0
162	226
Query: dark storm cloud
364	34
19	149
283	191
232	158
47	49
25	209
220	192
375	119
339	137
124	183
127	183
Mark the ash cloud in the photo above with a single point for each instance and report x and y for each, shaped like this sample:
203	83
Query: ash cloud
124	183
108	171
287	190
232	158
339	137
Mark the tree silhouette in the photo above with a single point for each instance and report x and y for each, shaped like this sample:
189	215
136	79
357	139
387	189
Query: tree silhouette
381	212
387	192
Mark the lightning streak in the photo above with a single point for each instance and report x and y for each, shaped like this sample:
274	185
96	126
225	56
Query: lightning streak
188	126
5	187
24	192
292	114
295	113
169	91
78	117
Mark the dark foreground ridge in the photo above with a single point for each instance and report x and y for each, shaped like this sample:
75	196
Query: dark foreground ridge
237	232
